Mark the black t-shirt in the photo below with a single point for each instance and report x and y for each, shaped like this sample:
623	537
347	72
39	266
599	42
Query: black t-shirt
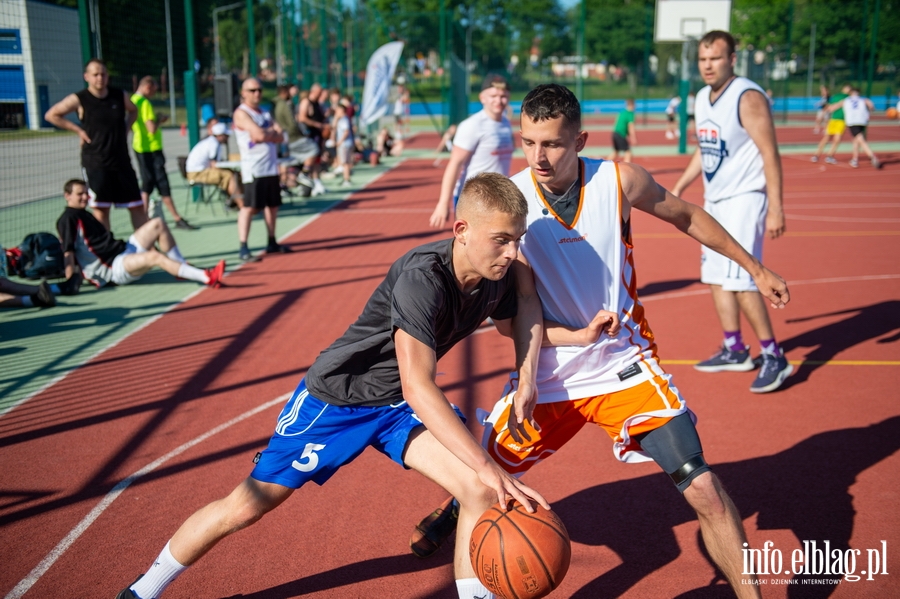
420	296
103	119
81	233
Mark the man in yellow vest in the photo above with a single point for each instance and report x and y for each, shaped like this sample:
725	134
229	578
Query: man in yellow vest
147	144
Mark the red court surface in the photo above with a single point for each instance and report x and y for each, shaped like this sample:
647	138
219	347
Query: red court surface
183	405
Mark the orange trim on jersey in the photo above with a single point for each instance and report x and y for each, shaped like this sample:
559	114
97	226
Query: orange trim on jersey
550	209
619	195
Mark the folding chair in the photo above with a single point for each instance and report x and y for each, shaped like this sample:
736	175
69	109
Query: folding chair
208	191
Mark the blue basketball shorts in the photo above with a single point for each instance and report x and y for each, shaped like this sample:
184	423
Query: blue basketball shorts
314	439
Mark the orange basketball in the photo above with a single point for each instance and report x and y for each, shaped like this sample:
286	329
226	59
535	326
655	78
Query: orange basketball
518	555
892	113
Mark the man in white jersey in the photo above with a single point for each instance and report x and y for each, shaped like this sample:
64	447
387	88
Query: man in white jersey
258	135
483	144
598	362
857	112
741	167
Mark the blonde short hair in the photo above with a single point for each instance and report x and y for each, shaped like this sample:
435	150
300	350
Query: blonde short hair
492	192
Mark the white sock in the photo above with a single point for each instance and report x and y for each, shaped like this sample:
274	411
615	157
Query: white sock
192	273
163	571
139	249
175	254
471	588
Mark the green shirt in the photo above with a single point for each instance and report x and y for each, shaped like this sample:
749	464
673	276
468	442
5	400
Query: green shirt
143	140
622	121
837	115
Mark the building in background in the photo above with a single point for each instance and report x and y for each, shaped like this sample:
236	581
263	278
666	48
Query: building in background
40	61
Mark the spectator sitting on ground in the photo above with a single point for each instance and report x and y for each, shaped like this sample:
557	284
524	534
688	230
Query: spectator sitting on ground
386	145
18	295
201	162
90	248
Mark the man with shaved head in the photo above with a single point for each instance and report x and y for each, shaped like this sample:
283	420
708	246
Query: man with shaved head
258	136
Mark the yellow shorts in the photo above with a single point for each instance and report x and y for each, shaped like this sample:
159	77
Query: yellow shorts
622	414
836	127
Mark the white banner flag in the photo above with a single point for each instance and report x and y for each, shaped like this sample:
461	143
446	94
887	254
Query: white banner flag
379	74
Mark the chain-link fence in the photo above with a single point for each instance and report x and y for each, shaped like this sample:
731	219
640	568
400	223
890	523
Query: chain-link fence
603	49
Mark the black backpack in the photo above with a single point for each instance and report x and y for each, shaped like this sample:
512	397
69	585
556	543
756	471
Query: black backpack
42	256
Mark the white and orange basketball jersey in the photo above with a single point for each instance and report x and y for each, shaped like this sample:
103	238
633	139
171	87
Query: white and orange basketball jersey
732	164
578	274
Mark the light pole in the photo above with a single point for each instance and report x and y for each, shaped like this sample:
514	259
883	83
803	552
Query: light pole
215	15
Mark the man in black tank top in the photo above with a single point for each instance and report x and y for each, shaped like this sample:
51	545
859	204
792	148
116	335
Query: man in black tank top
106	114
311	116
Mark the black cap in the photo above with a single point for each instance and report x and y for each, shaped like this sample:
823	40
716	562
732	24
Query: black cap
496	81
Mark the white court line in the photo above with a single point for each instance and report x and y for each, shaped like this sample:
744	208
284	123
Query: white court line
841	219
661	296
841	206
26	583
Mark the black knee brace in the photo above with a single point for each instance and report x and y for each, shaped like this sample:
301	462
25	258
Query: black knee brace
675	446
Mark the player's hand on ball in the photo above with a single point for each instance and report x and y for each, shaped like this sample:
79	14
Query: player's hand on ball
495	477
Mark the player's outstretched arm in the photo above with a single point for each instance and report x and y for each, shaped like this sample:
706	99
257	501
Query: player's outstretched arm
526	329
642	192
443	211
418	367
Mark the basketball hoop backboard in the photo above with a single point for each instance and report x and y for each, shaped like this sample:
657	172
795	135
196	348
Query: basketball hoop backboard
681	20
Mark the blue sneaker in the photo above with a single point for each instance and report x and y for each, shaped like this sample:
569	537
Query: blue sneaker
726	360
244	255
771	374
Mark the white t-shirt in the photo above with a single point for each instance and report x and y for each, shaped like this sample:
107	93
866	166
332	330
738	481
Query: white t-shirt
207	150
343	126
491	144
732	164
674	103
856	113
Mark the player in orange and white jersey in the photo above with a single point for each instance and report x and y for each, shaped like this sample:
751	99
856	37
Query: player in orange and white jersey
598	362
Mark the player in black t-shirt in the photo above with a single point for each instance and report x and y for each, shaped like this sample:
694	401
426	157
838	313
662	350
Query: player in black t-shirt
376	386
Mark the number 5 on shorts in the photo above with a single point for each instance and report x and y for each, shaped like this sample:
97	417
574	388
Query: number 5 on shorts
308	459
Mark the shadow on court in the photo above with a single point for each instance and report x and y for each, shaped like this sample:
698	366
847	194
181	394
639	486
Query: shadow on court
804	489
826	342
665	286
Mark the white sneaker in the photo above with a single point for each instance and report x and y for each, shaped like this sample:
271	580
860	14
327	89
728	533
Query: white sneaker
814	159
347	183
670	135
854	164
318	188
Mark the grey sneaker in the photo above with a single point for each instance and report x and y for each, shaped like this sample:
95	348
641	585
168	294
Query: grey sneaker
875	163
854	164
726	360
771	374
830	160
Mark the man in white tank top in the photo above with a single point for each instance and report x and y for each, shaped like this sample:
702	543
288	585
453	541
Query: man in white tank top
483	143
598	361
857	111
741	167
257	135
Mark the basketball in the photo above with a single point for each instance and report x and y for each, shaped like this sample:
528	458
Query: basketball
892	113
518	555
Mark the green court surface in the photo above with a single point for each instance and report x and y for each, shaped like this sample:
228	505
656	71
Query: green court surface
38	346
